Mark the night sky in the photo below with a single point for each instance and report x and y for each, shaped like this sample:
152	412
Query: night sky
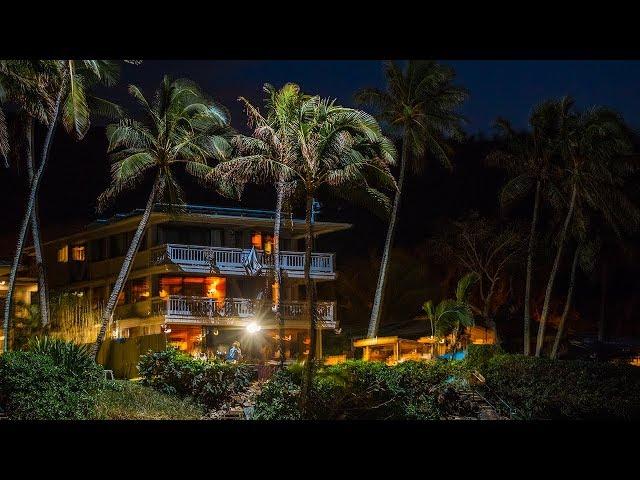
497	87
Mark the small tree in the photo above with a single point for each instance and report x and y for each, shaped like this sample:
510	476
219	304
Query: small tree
451	316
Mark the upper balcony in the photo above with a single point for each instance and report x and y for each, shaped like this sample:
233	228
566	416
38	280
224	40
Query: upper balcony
230	261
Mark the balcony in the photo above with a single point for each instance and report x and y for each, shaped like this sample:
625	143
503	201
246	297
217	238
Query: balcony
230	261
238	312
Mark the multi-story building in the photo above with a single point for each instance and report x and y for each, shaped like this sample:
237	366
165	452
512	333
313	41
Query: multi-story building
191	281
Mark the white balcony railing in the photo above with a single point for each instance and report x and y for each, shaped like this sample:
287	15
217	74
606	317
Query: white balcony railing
198	259
195	308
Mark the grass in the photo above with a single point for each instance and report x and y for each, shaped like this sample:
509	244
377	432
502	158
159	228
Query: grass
132	401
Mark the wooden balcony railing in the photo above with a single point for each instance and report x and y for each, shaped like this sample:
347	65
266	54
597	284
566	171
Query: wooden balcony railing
185	308
199	259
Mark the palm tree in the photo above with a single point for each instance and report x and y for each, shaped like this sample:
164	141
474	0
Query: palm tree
181	126
72	106
452	315
529	158
271	141
335	147
419	105
591	145
23	82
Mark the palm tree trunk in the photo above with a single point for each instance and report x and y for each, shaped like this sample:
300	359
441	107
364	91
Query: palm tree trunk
33	193
491	323
527	288
603	297
43	291
376	310
567	305
552	276
278	273
107	313
306	384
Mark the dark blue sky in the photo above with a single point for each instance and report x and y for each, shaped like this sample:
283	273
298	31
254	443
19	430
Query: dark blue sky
506	88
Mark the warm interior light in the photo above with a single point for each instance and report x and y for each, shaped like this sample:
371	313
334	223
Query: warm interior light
253	327
256	240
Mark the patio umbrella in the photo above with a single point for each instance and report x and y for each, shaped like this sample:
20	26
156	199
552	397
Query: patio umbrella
251	264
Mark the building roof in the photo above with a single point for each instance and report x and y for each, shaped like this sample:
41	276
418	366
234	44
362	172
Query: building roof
201	215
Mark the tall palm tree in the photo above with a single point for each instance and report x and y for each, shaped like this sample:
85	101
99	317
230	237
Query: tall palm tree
419	106
529	159
336	148
452	315
72	106
181	127
591	145
270	140
23	82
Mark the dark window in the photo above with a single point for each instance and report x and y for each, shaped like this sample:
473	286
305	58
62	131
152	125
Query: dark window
216	238
98	250
117	245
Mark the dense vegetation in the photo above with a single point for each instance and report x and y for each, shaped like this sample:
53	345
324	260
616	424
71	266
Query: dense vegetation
540	388
209	383
363	390
54	380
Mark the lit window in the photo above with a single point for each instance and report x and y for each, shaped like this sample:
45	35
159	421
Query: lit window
256	240
63	254
78	253
216	287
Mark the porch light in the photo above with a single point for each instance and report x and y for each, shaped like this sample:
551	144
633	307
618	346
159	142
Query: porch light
253	327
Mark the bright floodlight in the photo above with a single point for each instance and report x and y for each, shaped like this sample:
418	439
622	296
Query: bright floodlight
253	327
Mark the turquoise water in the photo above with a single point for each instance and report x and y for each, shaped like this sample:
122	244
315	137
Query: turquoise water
458	356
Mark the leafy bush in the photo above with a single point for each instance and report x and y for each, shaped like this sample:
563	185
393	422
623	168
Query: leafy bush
33	386
126	400
278	399
543	388
210	383
362	390
479	355
76	359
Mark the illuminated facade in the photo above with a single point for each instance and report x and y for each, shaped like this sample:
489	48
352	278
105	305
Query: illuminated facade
190	282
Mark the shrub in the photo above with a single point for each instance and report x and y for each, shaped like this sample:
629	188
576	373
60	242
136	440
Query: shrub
278	400
76	359
210	383
360	390
479	355
34	386
126	400
543	388
170	371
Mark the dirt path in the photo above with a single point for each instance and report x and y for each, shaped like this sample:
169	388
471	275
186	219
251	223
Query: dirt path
240	407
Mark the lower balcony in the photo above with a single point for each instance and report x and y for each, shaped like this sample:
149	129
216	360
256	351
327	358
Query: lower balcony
238	312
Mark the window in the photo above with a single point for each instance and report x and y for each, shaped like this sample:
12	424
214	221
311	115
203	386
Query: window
215	287
99	295
139	289
256	240
170	286
117	245
78	253
63	254
97	251
216	238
